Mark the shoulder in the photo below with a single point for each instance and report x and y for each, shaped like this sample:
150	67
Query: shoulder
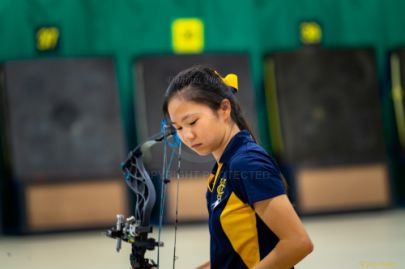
252	157
254	174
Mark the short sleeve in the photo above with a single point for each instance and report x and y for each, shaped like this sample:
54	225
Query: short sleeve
255	177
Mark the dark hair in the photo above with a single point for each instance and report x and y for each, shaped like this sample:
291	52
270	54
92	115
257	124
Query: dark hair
202	85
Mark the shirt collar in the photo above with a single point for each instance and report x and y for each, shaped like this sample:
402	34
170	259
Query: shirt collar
236	141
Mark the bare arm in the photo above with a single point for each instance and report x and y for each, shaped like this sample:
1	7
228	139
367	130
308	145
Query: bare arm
294	244
204	266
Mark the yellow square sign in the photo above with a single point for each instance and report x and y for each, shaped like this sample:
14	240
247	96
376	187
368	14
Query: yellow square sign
188	35
311	33
47	38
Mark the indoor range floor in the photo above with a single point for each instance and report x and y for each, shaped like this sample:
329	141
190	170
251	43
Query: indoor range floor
346	241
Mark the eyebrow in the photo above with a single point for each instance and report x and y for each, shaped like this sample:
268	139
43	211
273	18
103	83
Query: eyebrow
185	117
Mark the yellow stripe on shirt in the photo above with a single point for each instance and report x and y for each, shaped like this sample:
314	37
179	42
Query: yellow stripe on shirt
211	177
238	222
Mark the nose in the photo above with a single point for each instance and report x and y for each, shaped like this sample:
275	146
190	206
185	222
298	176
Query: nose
188	136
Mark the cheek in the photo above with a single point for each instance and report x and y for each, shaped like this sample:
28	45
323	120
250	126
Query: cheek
213	134
181	137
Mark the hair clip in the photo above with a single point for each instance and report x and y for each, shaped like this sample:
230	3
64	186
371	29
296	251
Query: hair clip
231	80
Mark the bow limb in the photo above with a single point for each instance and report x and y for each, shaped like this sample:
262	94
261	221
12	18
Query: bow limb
136	229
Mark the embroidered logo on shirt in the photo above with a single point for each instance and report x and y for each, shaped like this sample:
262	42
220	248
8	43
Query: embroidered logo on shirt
220	192
220	188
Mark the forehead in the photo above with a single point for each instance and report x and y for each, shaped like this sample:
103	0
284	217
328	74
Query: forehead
180	108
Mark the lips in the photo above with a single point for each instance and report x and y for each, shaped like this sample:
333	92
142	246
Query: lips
196	145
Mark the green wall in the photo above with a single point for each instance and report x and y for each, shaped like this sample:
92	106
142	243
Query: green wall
127	29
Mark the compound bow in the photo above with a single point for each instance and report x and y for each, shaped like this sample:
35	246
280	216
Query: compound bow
136	229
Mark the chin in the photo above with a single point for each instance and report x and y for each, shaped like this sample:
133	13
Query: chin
202	153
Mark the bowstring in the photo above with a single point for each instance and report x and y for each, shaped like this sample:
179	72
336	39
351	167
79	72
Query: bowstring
162	195
165	177
177	205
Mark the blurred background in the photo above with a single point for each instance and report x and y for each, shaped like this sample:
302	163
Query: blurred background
82	83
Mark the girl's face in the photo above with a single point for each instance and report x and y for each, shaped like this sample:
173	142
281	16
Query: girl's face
198	127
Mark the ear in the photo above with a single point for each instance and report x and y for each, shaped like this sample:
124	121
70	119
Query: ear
225	109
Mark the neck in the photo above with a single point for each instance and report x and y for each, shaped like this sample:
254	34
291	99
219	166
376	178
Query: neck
227	137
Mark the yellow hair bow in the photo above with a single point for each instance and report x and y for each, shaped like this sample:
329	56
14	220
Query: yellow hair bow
231	80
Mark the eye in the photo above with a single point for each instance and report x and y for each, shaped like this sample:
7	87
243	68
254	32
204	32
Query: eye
179	129
193	122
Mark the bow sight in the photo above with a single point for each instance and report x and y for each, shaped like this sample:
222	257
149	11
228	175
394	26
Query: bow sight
134	233
136	229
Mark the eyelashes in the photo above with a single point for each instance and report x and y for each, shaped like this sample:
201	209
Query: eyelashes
191	124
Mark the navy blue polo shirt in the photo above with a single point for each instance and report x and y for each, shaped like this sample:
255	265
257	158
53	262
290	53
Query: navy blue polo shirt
245	174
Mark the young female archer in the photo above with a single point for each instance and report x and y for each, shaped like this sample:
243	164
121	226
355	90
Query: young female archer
252	223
